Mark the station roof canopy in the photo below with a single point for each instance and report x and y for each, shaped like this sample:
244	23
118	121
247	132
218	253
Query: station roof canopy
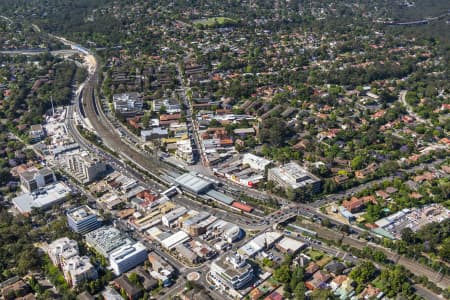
193	183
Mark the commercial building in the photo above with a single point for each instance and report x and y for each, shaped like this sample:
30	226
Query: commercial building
33	179
82	219
232	233
247	170
83	167
172	217
157	235
187	254
128	104
201	227
160	265
43	198
106	239
255	162
229	231
289	245
127	257
261	242
189	225
61	250
78	270
393	225
175	239
202	250
231	272
193	183
293	176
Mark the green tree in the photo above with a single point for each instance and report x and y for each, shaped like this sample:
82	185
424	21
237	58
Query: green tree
408	235
134	278
282	274
379	256
363	273
357	162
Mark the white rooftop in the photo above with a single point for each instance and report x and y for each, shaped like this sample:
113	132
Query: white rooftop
259	243
44	198
126	251
255	162
175	239
290	244
80	213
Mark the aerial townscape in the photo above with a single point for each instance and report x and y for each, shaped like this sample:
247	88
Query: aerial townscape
239	149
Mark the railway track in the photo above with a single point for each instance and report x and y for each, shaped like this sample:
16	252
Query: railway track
111	137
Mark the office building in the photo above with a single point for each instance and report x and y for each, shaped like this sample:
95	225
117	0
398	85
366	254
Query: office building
85	168
106	239
231	271
33	179
82	219
43	199
293	176
127	257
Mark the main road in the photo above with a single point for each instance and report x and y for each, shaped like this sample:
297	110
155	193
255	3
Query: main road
113	141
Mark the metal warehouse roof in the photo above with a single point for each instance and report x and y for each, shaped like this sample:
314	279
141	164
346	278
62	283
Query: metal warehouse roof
175	239
220	196
193	183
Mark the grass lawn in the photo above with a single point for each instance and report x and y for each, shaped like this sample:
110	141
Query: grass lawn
377	283
324	260
315	255
208	22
